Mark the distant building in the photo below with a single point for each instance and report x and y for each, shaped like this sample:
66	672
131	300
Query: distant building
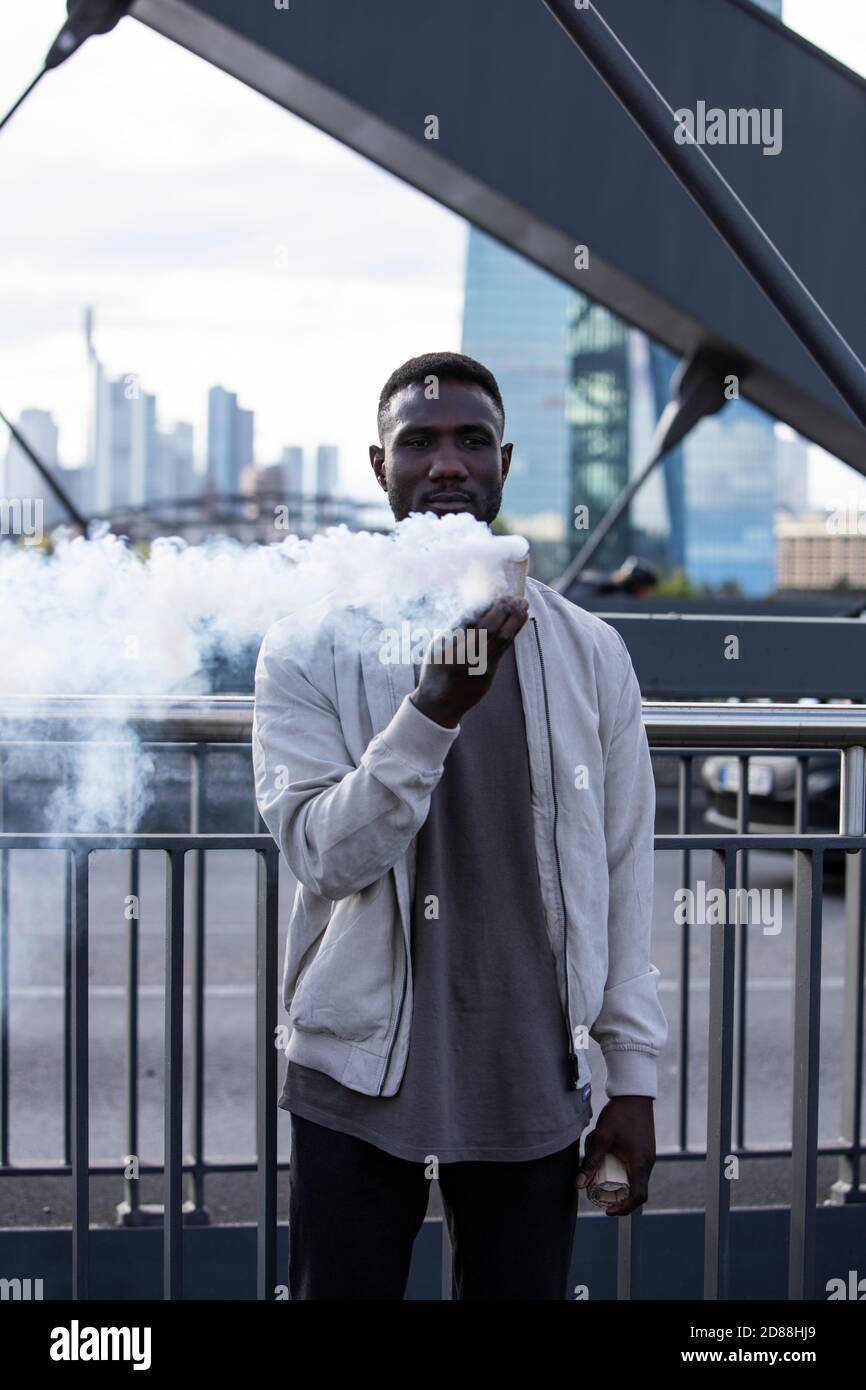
20	480
177	475
516	321
79	483
293	465
819	550
327	470
145	459
792	471
229	441
269	481
124	443
582	394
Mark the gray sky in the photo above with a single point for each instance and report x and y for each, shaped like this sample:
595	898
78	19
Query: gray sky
175	216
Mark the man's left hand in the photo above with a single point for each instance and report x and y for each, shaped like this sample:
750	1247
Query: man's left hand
625	1128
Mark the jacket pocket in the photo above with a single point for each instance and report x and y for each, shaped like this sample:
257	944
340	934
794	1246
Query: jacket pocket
348	989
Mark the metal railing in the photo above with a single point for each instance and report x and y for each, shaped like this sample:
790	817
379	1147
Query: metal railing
202	726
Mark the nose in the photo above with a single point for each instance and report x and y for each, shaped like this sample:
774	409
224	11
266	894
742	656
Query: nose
447	466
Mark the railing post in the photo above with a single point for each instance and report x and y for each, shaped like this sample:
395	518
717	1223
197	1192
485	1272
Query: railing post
741	961
195	1209
128	1210
267	930
720	1073
808	883
133	885
628	1241
80	1090
852	821
4	975
173	1146
684	825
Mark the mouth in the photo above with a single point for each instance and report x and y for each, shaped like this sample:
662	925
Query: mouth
448	502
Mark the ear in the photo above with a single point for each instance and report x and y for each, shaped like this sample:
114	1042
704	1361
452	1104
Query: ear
506	459
377	461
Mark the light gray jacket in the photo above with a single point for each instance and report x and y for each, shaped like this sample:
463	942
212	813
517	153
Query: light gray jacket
345	765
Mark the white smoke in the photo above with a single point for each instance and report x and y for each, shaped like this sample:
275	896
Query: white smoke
96	617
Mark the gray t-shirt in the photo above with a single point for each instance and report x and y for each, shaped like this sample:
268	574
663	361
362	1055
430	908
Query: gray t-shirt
487	1075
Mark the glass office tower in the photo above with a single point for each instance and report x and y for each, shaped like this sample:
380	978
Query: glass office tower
516	321
582	394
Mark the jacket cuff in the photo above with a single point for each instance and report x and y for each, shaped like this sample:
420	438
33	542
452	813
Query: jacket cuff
631	1073
419	741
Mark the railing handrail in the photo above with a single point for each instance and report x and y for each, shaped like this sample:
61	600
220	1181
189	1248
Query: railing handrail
228	719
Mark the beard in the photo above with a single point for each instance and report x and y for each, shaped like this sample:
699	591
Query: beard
400	502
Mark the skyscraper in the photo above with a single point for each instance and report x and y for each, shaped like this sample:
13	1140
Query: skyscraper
144	455
177	476
20	479
516	321
598	415
327	470
574	386
229	441
293	469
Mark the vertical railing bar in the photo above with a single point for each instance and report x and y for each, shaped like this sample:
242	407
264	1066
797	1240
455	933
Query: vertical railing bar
852	821
5	966
628	1255
80	1088
684	826
719	1081
133	884
198	791
133	887
267	930
808	895
68	930
173	1147
742	957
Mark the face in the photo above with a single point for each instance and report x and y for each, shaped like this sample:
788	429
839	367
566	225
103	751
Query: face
442	455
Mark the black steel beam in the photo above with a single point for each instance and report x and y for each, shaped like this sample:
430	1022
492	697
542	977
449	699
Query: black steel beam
534	150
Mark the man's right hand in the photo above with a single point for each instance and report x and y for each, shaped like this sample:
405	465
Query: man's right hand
448	688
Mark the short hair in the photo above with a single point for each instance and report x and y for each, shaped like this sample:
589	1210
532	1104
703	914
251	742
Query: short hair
446	366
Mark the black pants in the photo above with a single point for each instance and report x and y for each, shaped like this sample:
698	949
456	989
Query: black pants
354	1213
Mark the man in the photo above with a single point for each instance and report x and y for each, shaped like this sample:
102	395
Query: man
474	856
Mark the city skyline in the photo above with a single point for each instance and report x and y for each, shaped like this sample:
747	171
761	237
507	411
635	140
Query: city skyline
134	457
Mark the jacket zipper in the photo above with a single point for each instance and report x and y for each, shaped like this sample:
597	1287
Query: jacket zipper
573	1061
397	1019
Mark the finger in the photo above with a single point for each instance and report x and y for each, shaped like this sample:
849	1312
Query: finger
626	1206
507	633
595	1152
493	617
515	614
638	1191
